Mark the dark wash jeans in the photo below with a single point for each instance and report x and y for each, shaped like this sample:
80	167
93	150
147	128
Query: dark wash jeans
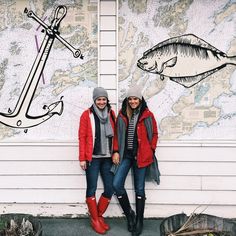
122	172
102	166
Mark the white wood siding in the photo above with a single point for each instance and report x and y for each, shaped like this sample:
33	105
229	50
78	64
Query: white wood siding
45	179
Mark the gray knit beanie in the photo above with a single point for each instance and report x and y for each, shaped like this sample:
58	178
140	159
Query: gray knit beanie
99	92
135	91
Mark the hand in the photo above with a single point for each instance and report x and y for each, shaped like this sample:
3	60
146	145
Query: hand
83	165
116	158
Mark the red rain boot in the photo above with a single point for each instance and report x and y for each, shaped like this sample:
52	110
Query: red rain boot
95	223
102	206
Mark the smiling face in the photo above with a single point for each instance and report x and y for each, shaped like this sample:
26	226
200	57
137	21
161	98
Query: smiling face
134	102
101	102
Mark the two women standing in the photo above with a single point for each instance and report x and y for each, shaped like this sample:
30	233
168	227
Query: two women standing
134	142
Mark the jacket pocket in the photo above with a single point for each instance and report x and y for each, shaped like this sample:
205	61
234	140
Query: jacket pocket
145	152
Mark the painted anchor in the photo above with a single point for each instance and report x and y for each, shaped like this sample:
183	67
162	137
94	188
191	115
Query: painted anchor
20	118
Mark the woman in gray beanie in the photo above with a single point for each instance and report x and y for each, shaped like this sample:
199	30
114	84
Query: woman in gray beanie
134	147
96	133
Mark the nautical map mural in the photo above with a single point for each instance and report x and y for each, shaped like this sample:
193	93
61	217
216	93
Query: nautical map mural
183	55
48	67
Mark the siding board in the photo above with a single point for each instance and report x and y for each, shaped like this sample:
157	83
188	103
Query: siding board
219	183
108	53
79	181
108	8
107	67
196	153
108	38
108	22
72	196
72	167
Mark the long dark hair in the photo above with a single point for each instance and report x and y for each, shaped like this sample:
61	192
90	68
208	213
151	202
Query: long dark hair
108	105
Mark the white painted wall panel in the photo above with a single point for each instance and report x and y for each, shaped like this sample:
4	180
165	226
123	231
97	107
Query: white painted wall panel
196	153
163	152
108	23
227	183
39	167
43	182
108	81
108	38
108	8
78	181
107	67
108	53
72	167
72	196
198	168
22	152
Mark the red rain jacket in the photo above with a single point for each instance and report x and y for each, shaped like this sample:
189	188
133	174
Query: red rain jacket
87	134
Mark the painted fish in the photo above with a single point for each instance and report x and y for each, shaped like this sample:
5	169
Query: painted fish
185	59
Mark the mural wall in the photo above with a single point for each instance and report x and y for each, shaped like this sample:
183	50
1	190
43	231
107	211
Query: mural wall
183	54
48	67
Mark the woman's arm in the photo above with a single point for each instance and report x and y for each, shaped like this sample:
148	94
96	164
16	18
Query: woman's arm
154	133
83	135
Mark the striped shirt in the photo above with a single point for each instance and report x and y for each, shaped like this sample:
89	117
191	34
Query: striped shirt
131	129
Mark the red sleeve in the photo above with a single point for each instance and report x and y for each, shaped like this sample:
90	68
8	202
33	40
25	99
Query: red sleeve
83	135
115	139
155	133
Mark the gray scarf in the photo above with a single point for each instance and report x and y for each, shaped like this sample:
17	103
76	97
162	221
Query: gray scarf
105	127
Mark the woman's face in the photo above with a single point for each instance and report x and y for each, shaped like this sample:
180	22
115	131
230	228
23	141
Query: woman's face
134	102
101	102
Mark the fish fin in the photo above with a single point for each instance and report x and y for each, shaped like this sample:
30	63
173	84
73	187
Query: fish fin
190	81
171	62
190	39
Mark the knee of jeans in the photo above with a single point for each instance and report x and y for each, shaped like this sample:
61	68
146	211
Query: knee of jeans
108	192
90	192
115	185
140	192
118	189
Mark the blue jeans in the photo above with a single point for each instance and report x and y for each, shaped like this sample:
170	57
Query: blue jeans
96	166
121	174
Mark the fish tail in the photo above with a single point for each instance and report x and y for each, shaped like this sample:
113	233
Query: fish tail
232	60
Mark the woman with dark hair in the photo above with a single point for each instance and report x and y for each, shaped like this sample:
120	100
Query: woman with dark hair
96	133
134	147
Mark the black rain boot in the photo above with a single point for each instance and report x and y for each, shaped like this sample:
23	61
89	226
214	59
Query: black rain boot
140	204
129	213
